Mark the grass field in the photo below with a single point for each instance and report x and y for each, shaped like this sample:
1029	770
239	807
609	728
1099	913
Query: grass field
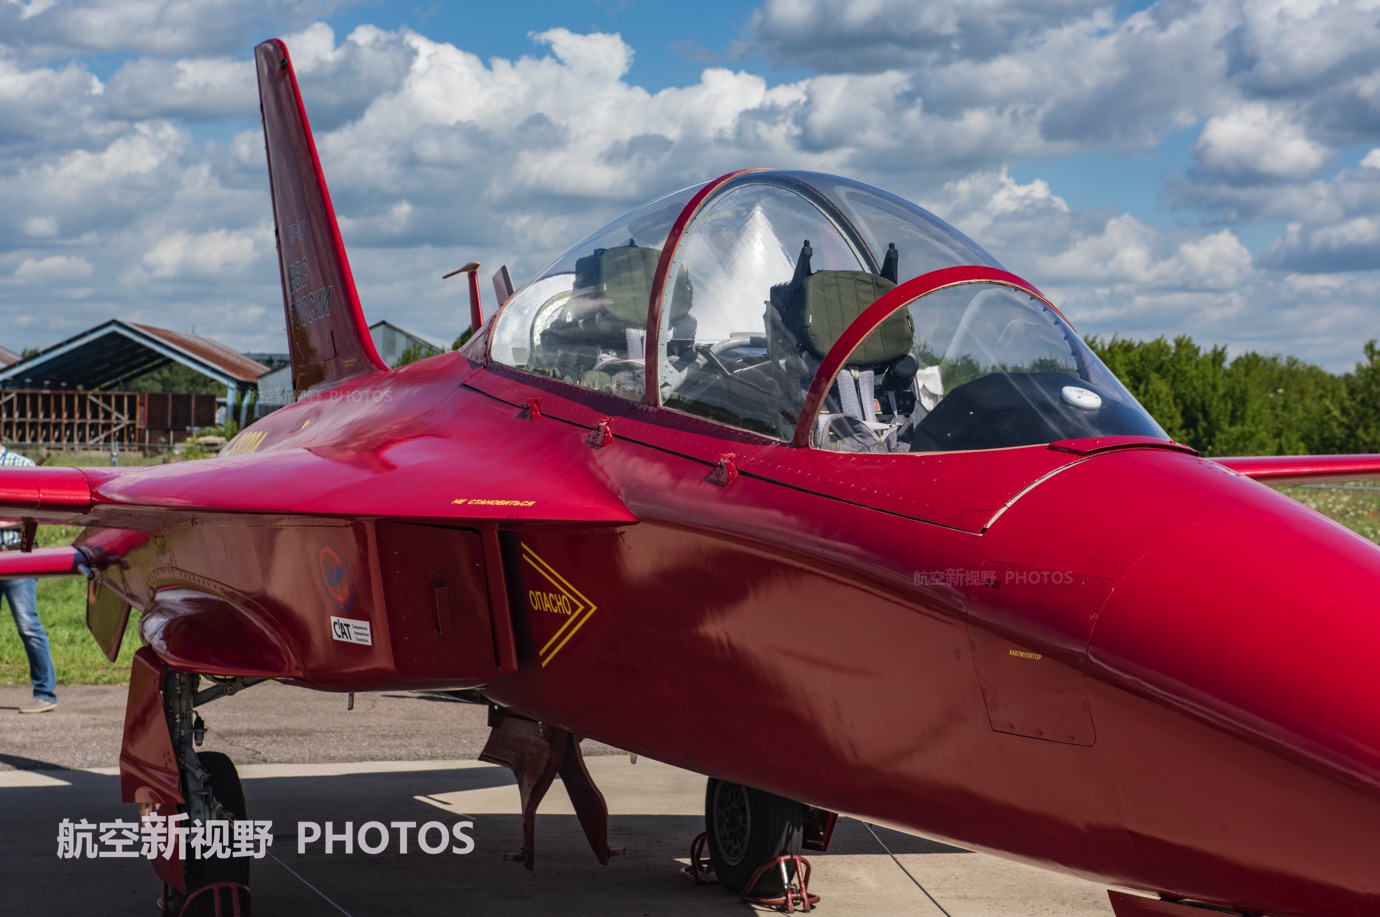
62	607
62	601
1356	506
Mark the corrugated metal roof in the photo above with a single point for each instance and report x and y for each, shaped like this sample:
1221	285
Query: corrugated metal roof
7	357
231	362
116	352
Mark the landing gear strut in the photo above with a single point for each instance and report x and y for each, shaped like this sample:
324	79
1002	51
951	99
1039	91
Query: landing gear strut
162	771
214	886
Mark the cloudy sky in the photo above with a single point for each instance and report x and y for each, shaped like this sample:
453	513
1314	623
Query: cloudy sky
1210	168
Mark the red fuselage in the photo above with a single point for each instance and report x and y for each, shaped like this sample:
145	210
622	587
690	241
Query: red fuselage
745	482
1110	658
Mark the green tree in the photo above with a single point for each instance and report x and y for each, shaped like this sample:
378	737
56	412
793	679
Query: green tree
174	378
1180	384
1157	397
1363	409
1252	405
414	352
1283	406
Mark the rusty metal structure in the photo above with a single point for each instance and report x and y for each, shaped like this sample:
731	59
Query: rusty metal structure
124	420
73	394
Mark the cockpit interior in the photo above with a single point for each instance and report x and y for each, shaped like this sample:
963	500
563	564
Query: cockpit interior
726	301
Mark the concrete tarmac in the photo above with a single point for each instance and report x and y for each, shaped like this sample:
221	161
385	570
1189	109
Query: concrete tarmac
402	757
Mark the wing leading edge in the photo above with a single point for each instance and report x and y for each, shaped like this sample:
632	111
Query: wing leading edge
44	494
1302	469
518	486
63	561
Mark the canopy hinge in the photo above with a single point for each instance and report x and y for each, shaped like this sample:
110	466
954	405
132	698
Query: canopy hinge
725	470
601	435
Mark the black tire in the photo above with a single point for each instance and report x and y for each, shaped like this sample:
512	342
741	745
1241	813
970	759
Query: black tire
225	785
747	829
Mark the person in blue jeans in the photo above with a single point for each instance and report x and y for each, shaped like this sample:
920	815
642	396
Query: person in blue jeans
22	597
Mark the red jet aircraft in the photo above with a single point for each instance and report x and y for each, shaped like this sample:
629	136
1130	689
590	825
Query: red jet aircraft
783	480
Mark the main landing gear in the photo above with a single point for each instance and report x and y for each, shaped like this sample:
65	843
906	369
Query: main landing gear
753	840
747	829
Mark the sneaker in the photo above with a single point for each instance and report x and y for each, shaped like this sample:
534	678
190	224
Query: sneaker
39	706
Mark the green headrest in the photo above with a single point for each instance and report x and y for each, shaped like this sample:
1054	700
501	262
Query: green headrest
626	273
833	299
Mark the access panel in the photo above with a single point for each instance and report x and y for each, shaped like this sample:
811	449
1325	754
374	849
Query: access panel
439	616
1035	686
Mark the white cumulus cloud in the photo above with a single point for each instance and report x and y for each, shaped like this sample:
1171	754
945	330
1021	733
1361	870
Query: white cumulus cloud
58	268
132	170
1258	141
201	256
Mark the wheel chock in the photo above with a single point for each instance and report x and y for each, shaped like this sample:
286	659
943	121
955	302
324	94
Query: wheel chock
795	891
700	871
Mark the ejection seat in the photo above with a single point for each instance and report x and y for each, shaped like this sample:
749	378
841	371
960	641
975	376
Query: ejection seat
807	316
600	344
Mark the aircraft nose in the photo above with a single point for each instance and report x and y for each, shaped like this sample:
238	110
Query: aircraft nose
1236	694
1266	616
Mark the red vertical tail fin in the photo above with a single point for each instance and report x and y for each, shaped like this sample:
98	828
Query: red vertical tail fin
328	339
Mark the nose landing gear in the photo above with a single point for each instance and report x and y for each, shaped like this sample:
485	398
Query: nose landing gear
216	886
193	798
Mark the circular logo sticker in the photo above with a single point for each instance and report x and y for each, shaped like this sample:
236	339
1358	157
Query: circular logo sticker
335	576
